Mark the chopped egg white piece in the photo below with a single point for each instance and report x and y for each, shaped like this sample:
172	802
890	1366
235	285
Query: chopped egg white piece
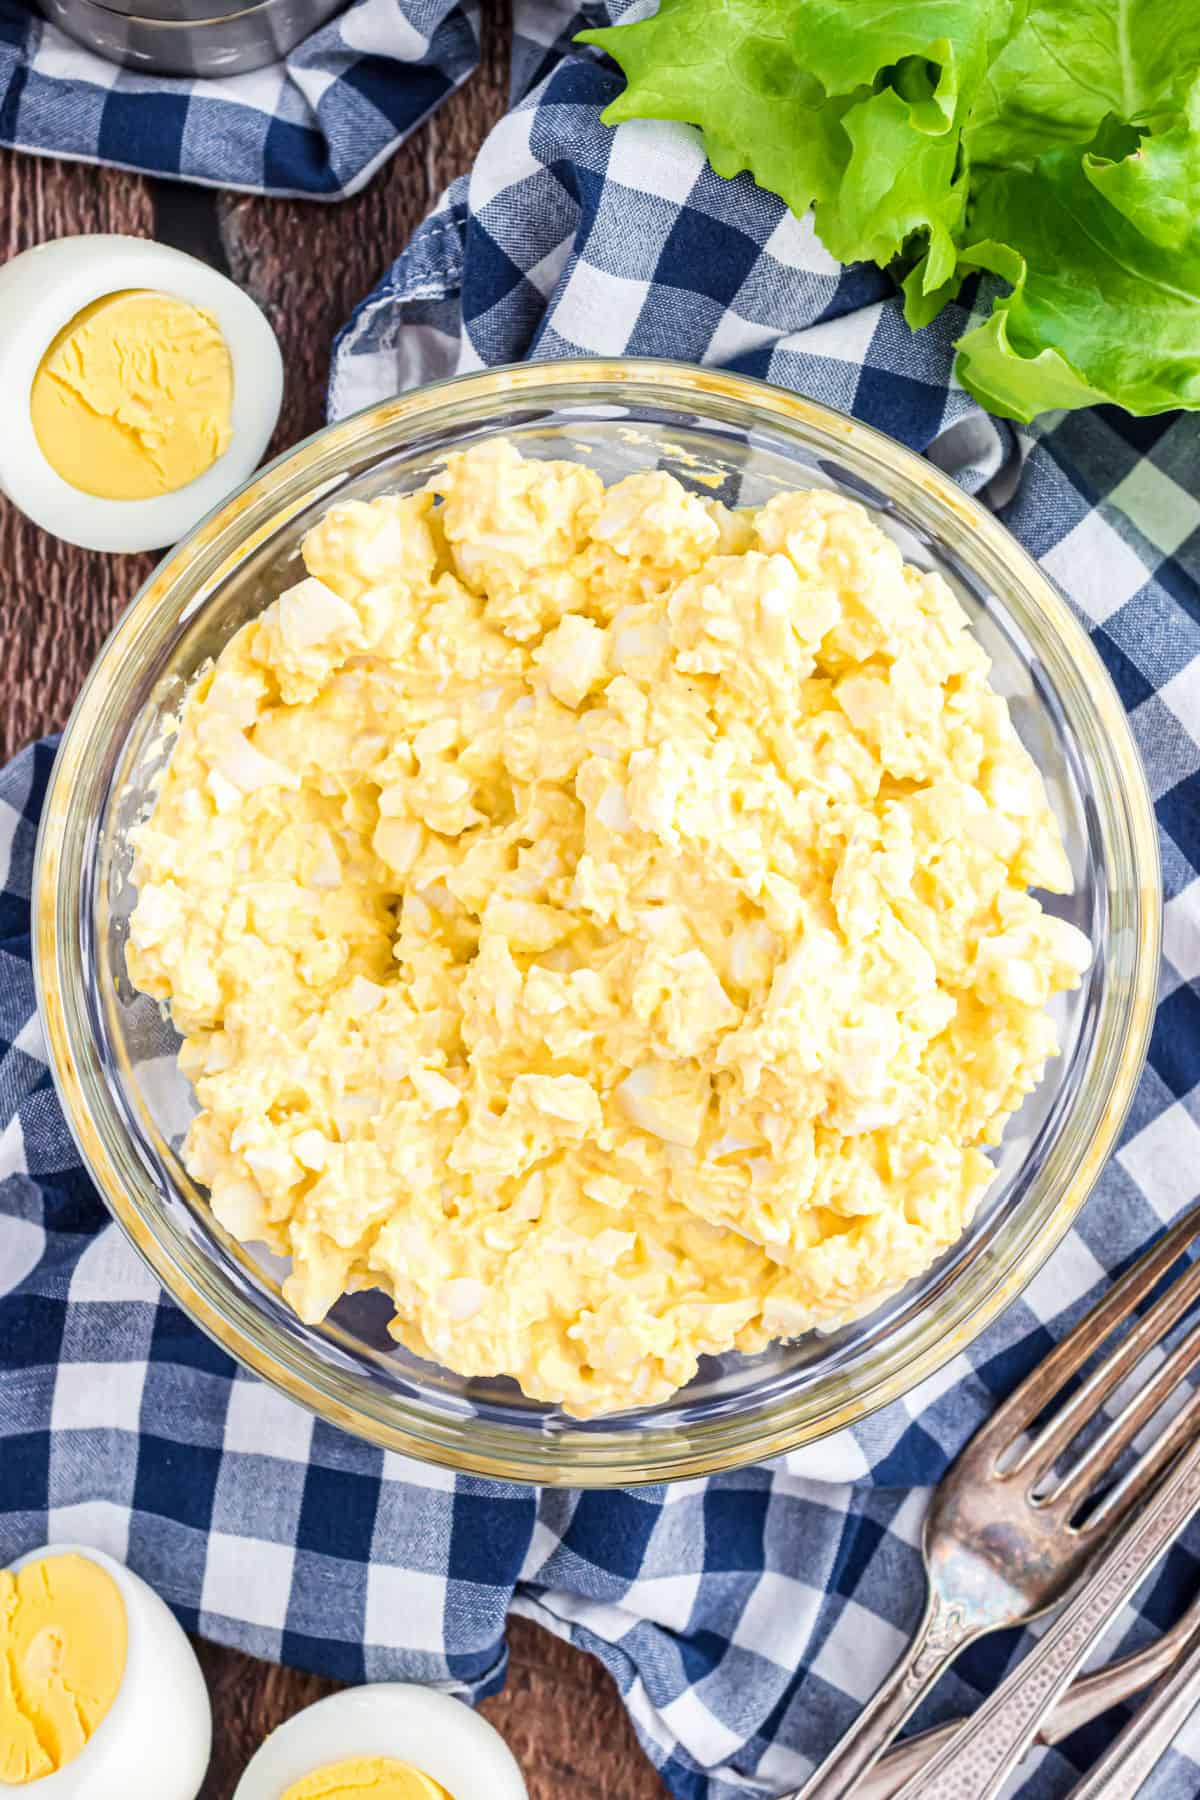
601	920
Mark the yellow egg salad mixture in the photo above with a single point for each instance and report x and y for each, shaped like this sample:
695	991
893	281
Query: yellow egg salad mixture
600	919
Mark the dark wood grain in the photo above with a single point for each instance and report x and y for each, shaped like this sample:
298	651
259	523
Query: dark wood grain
307	265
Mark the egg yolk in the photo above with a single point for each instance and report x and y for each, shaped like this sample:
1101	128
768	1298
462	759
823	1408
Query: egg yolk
62	1657
367	1778
134	396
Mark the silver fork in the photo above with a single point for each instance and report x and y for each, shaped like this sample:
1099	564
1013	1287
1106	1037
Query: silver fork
1001	1544
1087	1698
980	1757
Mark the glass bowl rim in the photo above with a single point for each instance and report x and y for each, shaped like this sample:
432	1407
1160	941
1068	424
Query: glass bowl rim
516	1453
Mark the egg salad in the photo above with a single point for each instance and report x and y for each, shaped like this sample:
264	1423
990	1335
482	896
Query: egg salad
601	919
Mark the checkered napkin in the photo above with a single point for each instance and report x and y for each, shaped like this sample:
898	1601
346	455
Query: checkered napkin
318	124
744	1618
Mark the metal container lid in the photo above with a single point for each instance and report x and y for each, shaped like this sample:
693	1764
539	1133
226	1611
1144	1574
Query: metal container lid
176	12
191	37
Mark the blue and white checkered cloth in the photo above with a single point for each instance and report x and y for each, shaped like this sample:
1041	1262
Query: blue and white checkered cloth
319	124
744	1618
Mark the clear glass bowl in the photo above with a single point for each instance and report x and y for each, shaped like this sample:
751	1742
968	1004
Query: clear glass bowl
113	1054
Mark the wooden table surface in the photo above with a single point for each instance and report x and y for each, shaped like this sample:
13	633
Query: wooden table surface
307	265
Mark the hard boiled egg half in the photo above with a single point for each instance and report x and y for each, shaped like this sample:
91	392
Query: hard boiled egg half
101	1696
386	1741
141	387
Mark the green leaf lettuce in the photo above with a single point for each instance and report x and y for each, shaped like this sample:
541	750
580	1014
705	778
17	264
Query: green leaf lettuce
1098	309
1052	143
728	66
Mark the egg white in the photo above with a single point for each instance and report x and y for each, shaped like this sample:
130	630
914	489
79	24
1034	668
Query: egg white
154	1741
435	1733
43	290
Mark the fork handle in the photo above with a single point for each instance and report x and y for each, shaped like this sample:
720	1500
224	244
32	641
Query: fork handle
1088	1697
942	1633
1128	1763
987	1748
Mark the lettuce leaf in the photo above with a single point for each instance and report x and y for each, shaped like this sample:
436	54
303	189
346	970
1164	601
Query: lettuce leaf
1055	143
1156	184
1075	62
899	180
729	67
850	43
879	165
1091	317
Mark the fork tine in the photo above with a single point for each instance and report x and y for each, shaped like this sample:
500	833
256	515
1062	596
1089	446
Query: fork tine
1134	1486
1101	1455
1038	1388
1039	1455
